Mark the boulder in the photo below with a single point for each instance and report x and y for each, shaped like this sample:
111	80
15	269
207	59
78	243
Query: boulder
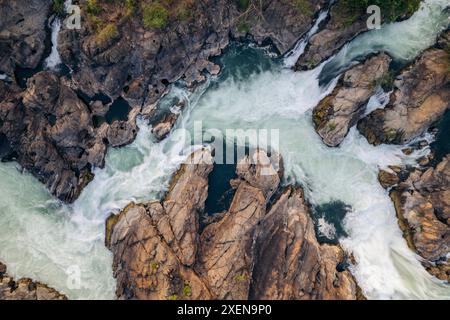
421	96
338	112
291	264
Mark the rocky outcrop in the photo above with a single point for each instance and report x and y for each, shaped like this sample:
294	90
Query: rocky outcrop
51	133
388	179
291	264
56	128
250	252
341	27
22	33
338	112
25	289
423	208
155	244
139	63
227	256
421	96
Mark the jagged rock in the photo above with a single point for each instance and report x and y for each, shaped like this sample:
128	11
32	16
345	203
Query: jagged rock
25	289
22	33
163	127
155	244
387	179
140	63
421	96
50	131
159	252
144	263
226	255
344	24
338	112
290	262
423	208
340	28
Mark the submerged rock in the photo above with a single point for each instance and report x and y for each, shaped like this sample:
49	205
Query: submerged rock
338	112
249	252
423	208
421	96
25	289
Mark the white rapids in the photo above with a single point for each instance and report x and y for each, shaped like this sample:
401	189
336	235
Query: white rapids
53	242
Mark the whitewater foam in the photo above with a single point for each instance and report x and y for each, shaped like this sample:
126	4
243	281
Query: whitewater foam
42	238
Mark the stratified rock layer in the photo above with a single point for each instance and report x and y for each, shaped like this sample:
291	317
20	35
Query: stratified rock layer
337	113
251	252
25	289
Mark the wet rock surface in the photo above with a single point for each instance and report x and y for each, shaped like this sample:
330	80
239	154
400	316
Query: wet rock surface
338	112
25	289
422	202
251	251
421	96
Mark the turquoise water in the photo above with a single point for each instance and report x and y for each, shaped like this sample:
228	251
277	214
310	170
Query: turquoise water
53	242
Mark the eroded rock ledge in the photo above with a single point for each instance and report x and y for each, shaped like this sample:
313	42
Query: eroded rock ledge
254	251
25	289
422	203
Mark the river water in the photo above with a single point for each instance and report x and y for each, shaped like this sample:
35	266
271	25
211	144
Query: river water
62	245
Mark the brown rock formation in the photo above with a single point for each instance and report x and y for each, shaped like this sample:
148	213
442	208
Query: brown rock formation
388	179
25	289
423	207
159	252
421	96
291	263
337	113
155	244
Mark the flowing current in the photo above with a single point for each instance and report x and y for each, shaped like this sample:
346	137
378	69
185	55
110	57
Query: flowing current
63	245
